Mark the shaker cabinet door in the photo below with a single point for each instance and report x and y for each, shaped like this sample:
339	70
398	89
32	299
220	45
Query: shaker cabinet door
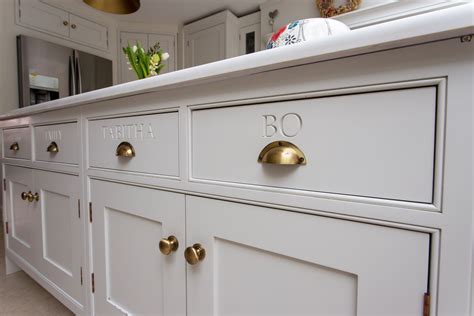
205	46
261	261
131	274
60	237
22	217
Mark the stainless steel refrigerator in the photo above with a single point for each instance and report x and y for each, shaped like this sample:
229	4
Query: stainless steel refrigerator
48	71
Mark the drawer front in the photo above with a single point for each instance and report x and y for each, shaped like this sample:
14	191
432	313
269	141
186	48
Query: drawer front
375	144
154	139
58	143
17	143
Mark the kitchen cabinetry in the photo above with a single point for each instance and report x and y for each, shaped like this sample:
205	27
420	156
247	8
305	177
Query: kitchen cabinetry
261	189
126	235
147	40
211	39
44	226
249	33
44	17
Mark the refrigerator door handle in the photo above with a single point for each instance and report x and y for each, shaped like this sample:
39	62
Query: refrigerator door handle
72	76
78	74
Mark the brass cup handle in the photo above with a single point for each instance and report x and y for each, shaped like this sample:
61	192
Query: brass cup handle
282	153
169	245
125	149
15	146
53	148
24	196
195	254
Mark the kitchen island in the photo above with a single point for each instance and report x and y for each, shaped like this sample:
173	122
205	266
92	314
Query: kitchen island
330	177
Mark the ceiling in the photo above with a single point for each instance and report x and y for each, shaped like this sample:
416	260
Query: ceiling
185	11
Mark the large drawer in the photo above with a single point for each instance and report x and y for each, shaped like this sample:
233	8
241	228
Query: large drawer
17	143
154	139
374	144
57	143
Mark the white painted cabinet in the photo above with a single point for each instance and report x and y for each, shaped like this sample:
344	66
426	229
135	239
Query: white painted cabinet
22	225
211	39
131	275
283	263
167	43
43	17
88	33
45	226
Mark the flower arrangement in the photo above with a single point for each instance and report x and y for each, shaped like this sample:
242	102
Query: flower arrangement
145	63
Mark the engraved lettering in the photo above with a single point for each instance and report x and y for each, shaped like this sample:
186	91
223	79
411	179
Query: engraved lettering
128	131
269	128
53	135
291	124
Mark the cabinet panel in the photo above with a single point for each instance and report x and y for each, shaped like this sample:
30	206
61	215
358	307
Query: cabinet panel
283	263
154	139
206	46
57	143
131	275
17	143
61	234
88	33
21	215
34	13
353	144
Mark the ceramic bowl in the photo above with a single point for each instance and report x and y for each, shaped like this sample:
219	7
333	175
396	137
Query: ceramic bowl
306	30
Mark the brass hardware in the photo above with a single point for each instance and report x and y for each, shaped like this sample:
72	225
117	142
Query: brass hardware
125	149
426	304
53	148
15	146
6	227
169	245
65	23
466	38
32	197
93	282
79	208
282	153
116	6
82	280
4	184
73	26
24	196
90	212
195	254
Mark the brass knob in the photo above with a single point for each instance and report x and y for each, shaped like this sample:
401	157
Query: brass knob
169	245
24	196
65	23
125	149
15	146
195	254
53	148
282	153
31	197
73	26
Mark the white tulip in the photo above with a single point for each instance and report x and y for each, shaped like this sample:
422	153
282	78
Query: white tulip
165	56
134	48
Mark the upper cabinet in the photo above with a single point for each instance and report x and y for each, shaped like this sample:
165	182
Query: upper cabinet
249	34
167	43
211	39
43	17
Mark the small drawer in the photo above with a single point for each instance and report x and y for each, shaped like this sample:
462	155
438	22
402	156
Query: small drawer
17	143
375	144
58	143
145	144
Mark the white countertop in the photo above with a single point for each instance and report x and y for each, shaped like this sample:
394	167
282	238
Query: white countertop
443	24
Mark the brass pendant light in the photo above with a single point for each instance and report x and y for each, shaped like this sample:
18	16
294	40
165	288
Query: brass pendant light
115	6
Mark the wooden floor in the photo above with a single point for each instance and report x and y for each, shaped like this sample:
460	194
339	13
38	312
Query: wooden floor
21	295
